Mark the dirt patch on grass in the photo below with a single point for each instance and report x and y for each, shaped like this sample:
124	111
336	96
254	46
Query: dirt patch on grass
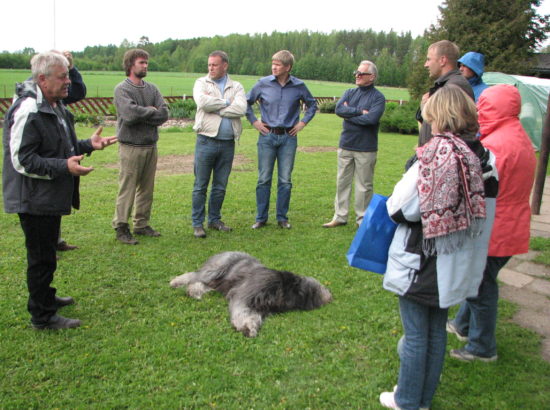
181	122
183	164
317	149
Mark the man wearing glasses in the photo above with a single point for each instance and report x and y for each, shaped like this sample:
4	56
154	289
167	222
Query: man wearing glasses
361	108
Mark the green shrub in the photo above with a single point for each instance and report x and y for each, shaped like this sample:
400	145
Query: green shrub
400	118
111	109
90	120
183	109
327	107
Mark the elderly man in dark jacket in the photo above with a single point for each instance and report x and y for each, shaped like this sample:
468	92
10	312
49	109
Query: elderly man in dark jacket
40	177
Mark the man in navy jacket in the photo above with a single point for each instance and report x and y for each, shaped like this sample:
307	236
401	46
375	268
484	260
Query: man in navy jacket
361	108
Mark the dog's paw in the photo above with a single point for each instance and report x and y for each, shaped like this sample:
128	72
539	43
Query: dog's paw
248	324
197	289
249	332
181	280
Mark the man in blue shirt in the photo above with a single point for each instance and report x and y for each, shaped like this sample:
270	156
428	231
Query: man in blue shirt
280	96
361	108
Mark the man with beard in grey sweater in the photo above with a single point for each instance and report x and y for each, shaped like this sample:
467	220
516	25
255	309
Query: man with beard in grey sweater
140	110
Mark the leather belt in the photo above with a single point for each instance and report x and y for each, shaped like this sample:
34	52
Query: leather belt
279	130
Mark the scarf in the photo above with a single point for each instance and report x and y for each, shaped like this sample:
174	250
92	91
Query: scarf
451	192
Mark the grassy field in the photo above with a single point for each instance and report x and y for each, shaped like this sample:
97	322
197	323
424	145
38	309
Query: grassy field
145	345
102	83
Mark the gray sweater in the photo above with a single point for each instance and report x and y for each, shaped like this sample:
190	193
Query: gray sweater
140	110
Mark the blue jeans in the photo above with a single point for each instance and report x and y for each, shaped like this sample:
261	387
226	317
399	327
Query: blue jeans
422	353
212	156
273	147
477	317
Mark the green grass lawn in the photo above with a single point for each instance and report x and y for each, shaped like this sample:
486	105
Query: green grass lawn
102	83
145	345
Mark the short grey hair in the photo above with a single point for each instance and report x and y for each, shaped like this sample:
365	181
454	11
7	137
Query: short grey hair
219	53
43	63
372	67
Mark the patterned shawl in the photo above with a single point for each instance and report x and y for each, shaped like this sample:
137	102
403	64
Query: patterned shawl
451	192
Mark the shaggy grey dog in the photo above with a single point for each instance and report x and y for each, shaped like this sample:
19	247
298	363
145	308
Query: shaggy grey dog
253	291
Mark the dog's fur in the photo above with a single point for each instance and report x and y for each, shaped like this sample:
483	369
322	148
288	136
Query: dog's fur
253	291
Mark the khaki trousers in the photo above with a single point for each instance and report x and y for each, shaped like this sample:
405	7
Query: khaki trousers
361	166
136	182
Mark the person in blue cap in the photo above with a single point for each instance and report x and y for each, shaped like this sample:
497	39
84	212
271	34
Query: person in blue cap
471	65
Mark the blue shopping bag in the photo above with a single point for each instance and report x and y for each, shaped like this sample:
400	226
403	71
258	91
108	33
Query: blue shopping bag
369	249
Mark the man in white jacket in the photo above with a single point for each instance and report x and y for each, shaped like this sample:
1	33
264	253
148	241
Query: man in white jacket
221	102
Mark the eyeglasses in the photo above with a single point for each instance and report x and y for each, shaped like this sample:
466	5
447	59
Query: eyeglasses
361	74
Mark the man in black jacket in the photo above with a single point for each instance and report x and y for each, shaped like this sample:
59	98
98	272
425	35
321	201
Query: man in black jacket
40	177
441	62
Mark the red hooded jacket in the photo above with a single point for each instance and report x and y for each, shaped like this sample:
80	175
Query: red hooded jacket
501	132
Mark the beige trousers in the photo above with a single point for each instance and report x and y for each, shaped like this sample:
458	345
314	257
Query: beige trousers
361	166
136	181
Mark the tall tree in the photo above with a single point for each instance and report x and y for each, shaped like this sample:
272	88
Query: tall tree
506	31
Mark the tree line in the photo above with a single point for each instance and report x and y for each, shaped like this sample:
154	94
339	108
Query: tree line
319	56
506	31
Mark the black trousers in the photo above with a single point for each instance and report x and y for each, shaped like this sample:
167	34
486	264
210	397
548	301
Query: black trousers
41	234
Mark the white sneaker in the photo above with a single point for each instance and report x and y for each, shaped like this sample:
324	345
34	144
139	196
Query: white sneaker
451	328
387	400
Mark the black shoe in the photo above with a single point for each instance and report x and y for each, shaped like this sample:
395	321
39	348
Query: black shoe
259	225
219	226
57	322
123	235
199	232
64	246
284	224
147	231
62	302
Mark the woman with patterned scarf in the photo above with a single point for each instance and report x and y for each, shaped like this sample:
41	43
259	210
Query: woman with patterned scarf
444	206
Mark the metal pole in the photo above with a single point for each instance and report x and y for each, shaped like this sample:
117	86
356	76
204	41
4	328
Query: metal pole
540	176
54	47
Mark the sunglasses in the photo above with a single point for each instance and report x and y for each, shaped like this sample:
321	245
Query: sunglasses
361	74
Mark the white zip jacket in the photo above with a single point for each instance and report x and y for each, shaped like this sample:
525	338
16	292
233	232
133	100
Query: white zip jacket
212	106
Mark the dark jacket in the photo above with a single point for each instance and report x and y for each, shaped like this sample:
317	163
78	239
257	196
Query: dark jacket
35	178
77	89
452	77
360	131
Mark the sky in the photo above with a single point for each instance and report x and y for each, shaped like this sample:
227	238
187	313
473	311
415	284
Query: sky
75	24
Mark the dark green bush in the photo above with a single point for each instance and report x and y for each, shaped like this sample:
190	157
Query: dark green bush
400	118
327	107
183	109
112	110
87	119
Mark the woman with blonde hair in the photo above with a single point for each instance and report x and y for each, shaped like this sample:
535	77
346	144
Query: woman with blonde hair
444	206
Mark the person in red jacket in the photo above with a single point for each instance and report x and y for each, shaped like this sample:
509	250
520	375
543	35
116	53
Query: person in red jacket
501	132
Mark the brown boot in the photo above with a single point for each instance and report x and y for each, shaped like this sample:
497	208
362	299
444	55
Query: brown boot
124	235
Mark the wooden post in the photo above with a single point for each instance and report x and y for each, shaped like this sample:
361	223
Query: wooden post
540	176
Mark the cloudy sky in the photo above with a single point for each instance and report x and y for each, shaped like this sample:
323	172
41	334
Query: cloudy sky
75	24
